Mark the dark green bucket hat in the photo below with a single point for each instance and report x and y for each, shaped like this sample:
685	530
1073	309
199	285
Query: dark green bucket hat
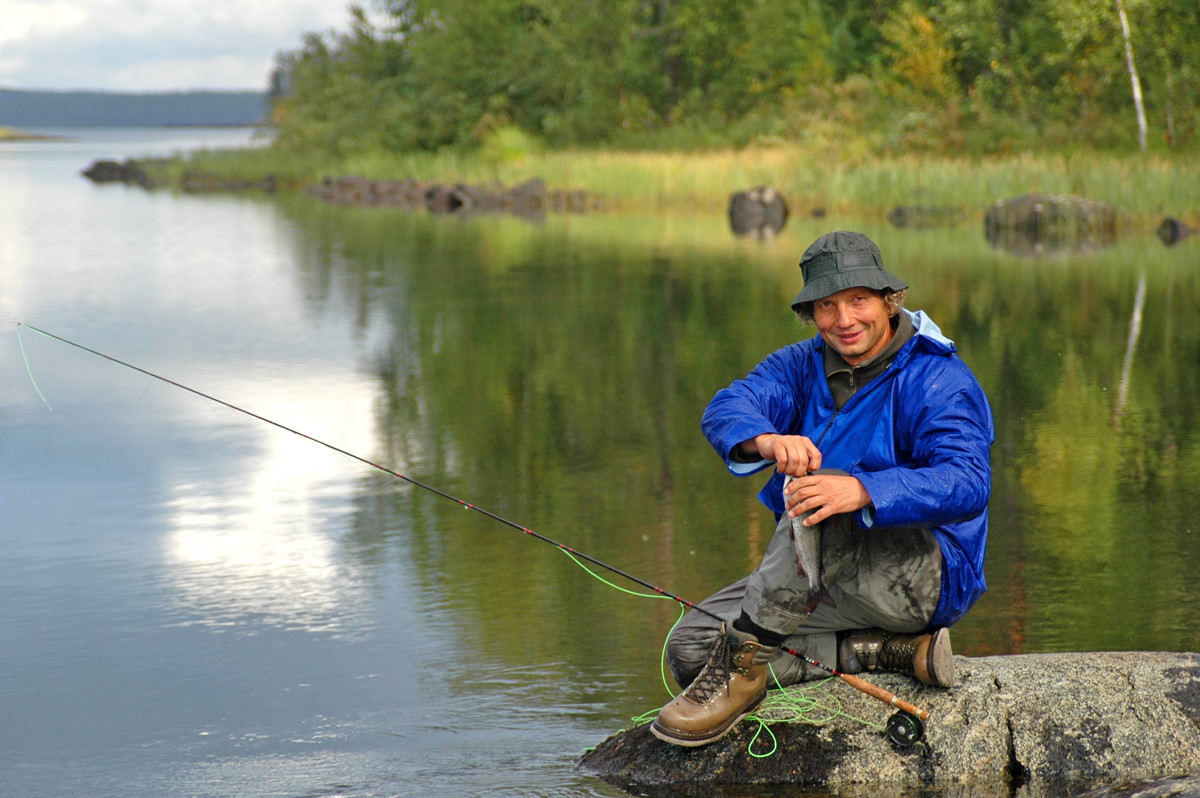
840	260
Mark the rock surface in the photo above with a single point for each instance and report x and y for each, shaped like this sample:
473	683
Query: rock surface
1025	725
128	171
759	212
1034	224
531	198
1171	231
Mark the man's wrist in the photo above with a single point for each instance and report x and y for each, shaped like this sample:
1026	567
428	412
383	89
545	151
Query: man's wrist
745	452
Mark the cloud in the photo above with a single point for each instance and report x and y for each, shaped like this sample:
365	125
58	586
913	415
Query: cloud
154	45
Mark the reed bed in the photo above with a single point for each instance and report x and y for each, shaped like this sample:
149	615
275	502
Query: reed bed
1141	187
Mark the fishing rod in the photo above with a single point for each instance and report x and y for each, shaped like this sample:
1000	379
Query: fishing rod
904	728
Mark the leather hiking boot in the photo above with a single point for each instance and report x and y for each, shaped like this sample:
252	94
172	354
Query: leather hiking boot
727	689
927	656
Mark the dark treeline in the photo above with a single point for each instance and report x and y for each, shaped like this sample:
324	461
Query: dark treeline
113	109
946	76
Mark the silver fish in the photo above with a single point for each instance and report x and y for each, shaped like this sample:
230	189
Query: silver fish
807	540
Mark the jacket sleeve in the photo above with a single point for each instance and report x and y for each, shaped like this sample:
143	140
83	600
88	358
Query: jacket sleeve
766	400
947	432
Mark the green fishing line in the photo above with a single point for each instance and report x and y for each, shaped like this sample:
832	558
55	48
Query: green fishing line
662	661
29	368
810	703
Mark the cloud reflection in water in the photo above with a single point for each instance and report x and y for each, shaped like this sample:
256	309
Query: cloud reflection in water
259	545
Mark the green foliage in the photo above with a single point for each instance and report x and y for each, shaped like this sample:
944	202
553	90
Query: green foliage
509	144
946	76
344	94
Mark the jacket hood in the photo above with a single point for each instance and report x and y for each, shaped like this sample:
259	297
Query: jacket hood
931	333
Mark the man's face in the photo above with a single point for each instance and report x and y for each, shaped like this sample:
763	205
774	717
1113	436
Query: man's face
854	322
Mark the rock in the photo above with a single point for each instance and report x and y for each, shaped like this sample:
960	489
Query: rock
759	212
1042	223
441	198
137	172
1171	231
1031	725
529	196
531	199
106	171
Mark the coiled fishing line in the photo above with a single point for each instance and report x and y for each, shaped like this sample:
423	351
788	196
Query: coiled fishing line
811	703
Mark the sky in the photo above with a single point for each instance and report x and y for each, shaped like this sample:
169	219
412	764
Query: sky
155	45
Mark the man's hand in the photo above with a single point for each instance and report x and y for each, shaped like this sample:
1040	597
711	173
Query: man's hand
825	494
793	454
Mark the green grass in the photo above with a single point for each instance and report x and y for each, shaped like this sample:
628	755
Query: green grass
12	134
1143	188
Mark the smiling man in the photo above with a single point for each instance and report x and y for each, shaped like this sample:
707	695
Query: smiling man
879	436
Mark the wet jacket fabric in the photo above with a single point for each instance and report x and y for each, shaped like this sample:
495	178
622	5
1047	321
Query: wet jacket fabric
917	436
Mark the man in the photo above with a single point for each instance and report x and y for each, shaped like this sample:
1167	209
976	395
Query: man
879	436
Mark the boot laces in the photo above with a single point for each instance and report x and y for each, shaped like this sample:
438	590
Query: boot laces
715	675
897	654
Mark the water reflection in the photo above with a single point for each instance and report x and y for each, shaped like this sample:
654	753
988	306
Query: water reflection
200	603
259	545
518	357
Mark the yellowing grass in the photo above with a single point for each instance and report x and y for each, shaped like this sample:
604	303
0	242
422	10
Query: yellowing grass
1143	187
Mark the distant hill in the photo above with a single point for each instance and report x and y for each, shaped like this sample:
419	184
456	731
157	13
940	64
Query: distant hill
20	108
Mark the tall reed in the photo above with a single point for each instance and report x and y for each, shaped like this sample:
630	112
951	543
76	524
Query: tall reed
1142	187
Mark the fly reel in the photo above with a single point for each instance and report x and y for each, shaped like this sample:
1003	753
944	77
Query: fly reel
905	729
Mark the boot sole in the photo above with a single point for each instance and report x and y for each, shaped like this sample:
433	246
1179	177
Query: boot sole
693	739
940	660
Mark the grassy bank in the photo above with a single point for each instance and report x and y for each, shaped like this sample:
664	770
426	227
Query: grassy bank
1145	188
12	134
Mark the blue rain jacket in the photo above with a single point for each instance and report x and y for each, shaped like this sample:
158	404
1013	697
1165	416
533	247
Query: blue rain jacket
918	437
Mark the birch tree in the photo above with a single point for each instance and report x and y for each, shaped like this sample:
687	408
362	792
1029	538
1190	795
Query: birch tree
1133	77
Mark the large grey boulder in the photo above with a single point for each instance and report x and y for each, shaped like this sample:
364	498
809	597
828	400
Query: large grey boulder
1028	725
759	212
1038	224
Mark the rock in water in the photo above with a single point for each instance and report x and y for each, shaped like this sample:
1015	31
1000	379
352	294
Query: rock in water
1031	724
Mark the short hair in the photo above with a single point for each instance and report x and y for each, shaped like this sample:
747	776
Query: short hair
893	299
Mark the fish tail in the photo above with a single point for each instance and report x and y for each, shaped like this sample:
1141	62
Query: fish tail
818	597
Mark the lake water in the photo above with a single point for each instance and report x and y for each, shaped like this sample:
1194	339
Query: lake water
198	603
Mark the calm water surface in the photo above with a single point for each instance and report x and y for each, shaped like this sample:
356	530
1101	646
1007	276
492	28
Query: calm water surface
198	603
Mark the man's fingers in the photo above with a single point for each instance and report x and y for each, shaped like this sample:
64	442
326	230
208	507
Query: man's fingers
817	517
790	457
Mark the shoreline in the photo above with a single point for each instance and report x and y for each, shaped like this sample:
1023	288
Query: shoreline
930	191
1142	189
13	134
1037	219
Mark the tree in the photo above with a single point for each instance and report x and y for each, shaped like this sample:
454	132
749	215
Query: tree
984	75
343	92
1133	77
